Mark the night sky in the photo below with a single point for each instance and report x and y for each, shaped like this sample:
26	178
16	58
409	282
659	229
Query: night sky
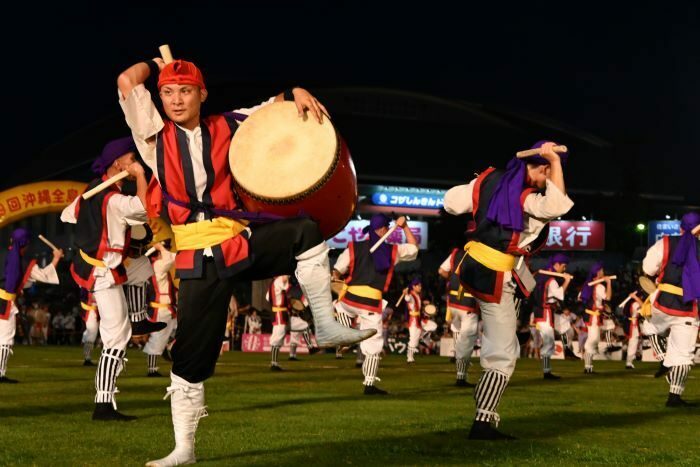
627	74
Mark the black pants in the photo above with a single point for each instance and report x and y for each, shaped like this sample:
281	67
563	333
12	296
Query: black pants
203	303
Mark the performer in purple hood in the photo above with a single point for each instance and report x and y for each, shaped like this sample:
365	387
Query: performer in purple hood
368	278
674	305
19	273
103	225
546	301
511	211
594	298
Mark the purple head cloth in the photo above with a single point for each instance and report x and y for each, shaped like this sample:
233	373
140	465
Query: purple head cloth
686	256
13	263
111	152
587	290
505	208
382	255
557	258
416	280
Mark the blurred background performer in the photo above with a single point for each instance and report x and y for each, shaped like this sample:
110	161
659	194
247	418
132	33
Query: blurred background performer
19	273
102	229
189	157
369	276
162	302
594	298
547	300
90	316
674	305
511	209
278	298
464	310
414	303
630	310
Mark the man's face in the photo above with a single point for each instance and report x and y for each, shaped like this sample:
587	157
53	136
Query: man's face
418	288
182	102
601	273
538	175
122	162
560	267
381	231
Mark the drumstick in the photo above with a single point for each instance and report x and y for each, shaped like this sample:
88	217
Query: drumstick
602	280
629	297
398	302
537	151
45	240
554	273
107	183
384	237
151	250
165	53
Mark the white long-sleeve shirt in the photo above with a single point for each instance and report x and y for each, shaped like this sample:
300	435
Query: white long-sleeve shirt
654	258
122	212
145	122
405	252
538	208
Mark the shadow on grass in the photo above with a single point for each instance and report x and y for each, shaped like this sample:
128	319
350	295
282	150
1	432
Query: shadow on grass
443	447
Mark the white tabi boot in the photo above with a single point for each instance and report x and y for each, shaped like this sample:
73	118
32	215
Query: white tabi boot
187	406
313	273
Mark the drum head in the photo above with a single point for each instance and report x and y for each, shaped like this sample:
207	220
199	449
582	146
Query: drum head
647	284
430	310
276	155
297	305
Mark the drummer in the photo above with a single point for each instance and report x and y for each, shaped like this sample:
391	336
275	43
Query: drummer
369	276
189	159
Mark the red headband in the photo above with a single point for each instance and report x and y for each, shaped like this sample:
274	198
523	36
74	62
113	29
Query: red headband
181	72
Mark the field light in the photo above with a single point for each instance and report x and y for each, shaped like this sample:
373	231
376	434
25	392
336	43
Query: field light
641	227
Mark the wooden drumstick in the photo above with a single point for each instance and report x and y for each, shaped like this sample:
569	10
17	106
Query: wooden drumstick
384	237
107	183
599	281
165	53
537	151
555	274
398	302
629	297
151	250
45	240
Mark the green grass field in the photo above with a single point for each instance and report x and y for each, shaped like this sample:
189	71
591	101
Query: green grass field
314	414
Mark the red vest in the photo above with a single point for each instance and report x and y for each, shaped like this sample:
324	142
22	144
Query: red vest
176	178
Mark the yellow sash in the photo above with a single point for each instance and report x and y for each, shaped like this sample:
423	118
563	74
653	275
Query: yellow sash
672	289
159	305
448	314
414	313
361	291
205	234
7	296
279	309
490	257
645	310
456	293
593	313
92	261
87	307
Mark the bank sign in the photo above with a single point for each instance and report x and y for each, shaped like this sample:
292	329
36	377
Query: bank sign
576	235
658	229
353	232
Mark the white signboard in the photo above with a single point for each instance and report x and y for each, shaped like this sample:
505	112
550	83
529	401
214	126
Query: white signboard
353	232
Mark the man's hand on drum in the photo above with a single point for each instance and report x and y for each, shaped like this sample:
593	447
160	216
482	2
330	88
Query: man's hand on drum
305	101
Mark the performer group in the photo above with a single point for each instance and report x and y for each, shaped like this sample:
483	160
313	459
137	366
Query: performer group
173	296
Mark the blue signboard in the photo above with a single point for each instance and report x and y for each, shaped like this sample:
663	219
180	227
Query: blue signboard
658	229
407	197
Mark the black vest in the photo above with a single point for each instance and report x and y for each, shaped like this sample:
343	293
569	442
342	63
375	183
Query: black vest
466	302
673	275
91	237
6	305
362	272
482	282
539	298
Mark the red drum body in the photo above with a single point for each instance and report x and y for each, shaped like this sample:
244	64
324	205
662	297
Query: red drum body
291	166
